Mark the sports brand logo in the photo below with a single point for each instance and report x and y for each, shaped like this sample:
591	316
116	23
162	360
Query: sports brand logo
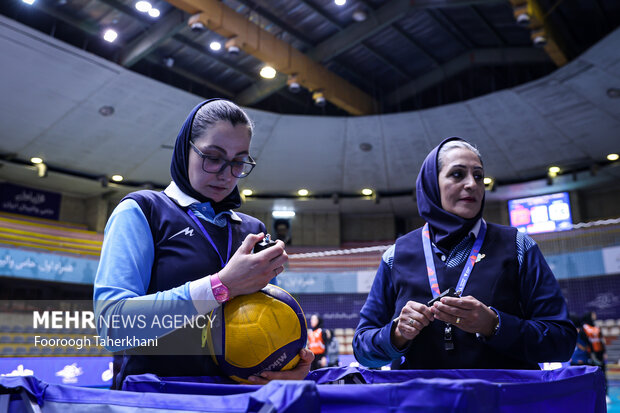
187	231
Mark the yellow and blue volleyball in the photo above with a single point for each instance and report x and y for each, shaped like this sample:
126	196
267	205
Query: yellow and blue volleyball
263	331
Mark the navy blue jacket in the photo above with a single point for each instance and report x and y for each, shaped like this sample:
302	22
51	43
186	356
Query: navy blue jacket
512	278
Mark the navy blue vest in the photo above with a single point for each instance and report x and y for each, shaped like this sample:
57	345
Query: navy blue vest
493	281
178	259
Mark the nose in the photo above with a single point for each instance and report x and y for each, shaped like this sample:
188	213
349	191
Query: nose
470	181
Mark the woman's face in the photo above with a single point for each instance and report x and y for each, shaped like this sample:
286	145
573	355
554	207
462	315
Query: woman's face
461	183
221	140
314	321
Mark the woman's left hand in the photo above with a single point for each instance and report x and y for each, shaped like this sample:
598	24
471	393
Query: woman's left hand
466	313
298	373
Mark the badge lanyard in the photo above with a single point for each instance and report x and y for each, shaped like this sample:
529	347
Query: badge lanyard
432	273
204	231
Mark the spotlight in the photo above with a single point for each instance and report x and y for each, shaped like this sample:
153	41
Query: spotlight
117	178
319	99
169	61
359	15
554	170
247	192
41	170
36	160
340	2
612	157
30	2
539	39
154	13
231	47
367	192
523	19
303	192
110	35
268	72
293	85
215	46
195	24
143	6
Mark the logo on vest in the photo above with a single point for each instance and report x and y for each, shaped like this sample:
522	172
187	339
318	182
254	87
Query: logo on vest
186	231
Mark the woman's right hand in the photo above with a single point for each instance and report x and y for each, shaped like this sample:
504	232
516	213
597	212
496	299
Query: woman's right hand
412	319
247	273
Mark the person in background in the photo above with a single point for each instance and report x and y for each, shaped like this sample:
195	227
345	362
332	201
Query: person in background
508	311
582	355
332	349
595	335
283	231
185	251
316	341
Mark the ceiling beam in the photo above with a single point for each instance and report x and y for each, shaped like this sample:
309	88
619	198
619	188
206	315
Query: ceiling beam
355	34
161	31
279	54
478	57
379	20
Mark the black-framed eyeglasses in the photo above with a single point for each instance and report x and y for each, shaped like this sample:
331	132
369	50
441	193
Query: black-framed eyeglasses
214	164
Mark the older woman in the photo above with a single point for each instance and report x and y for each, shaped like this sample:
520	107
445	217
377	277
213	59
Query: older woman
508	312
184	251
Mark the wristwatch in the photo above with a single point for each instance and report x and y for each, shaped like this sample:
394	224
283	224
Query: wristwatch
220	291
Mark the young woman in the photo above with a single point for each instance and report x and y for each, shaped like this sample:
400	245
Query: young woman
184	251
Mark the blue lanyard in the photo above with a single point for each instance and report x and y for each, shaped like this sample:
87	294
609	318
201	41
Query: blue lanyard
204	231
469	265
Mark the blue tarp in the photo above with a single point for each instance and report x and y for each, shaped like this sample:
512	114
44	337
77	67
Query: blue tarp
570	389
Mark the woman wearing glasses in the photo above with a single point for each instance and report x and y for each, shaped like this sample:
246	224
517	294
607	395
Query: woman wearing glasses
184	251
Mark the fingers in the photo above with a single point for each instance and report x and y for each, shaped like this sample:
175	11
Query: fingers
298	373
466	313
248	243
413	318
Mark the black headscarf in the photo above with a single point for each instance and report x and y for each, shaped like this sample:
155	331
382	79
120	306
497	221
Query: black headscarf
180	162
446	228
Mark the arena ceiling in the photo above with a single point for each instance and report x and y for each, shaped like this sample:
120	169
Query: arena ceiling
442	61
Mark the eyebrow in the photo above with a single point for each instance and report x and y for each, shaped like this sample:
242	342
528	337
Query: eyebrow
220	149
465	167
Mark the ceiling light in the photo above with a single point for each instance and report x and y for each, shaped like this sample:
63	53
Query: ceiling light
359	15
154	13
523	19
282	214
340	2
613	157
169	61
41	170
215	46
613	92
117	178
318	98
143	6
554	169
303	192
231	46
28	1
247	192
110	35
488	181
268	72
35	160
293	84
367	191
106	110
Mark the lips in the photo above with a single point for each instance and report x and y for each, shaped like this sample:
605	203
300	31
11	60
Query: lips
468	199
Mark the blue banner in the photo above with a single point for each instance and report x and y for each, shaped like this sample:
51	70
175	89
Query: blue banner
28	201
47	267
